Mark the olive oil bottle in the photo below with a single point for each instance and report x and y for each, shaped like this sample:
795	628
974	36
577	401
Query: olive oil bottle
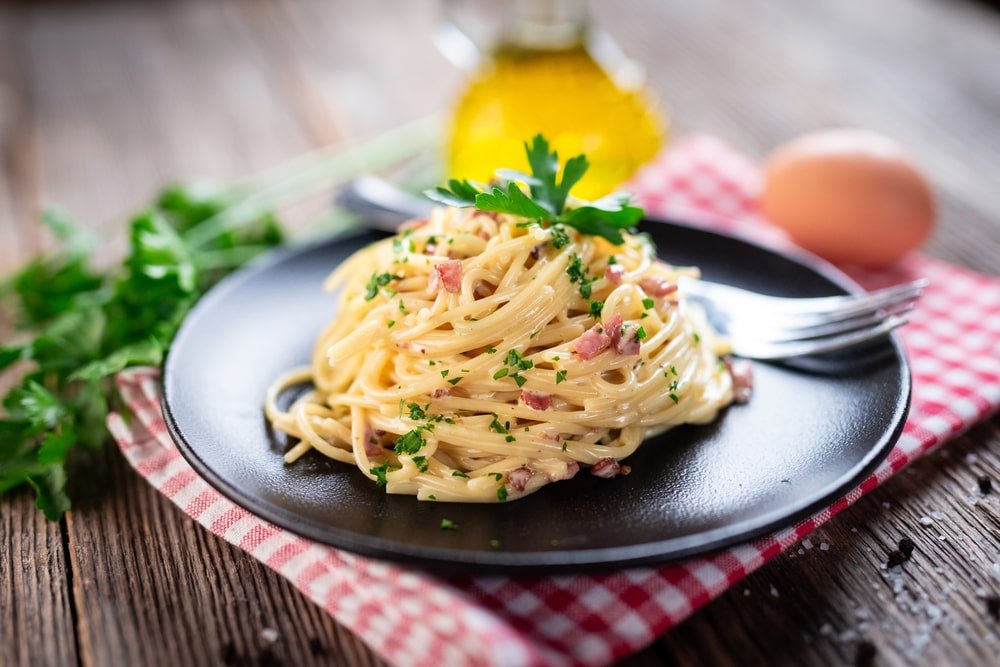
549	71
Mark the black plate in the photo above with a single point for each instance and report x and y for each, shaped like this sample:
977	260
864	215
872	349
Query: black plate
803	440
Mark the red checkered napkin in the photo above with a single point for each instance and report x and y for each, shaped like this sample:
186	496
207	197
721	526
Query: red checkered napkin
413	618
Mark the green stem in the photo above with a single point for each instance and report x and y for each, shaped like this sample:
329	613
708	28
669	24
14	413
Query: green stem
317	171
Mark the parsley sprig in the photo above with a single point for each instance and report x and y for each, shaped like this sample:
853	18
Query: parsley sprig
547	203
81	325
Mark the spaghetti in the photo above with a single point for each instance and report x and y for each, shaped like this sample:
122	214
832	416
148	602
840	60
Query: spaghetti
476	357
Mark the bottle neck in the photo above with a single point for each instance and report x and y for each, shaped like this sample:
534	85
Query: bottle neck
545	24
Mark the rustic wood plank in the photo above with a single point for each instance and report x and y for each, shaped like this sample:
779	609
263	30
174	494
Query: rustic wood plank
154	588
36	611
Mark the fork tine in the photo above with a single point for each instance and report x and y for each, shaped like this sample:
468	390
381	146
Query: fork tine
877	302
797	348
770	333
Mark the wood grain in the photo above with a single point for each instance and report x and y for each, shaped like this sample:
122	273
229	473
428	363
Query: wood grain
102	102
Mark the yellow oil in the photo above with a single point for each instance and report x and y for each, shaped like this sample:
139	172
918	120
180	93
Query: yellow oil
567	96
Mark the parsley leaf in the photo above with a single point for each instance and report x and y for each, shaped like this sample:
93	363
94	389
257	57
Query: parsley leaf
547	203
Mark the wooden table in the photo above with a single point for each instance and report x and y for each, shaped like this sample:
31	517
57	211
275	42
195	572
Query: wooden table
101	102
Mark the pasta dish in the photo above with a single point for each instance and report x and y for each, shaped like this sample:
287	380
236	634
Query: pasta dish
478	355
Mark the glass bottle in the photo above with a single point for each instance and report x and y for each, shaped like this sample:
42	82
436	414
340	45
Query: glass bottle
540	66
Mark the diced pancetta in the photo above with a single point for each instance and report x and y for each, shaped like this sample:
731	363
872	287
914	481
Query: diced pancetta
654	286
536	399
628	341
614	274
447	274
518	478
741	371
593	341
606	468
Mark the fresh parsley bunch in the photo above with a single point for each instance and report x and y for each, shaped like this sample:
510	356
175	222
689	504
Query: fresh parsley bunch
547	205
82	325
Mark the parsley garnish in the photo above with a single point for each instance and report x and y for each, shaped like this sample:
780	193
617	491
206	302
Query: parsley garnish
595	308
417	413
458	473
496	426
674	398
502	493
421	462
375	282
380	474
495	543
455	381
502	373
410	442
605	217
648	303
696	337
640	334
491	350
560	376
448	524
444	373
391	324
559	237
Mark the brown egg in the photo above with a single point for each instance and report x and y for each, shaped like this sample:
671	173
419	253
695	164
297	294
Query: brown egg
848	196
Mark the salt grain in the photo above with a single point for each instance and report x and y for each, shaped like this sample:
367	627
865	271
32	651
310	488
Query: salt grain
774	591
925	520
823	546
807	543
269	635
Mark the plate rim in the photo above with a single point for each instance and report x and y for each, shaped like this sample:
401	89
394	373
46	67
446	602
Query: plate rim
460	560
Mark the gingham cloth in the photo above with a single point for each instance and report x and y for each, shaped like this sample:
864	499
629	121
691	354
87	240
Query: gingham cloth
413	618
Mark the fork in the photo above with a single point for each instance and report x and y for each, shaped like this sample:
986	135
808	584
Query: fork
759	326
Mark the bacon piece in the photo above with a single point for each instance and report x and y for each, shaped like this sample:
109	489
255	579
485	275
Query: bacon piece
593	341
518	478
628	341
442	392
536	399
654	286
606	468
451	274
447	274
614	328
741	371
372	445
614	274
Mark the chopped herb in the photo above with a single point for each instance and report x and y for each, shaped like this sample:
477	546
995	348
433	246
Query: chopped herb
640	333
416	412
595	308
380	473
510	438
644	316
560	377
391	324
559	237
400	407
402	308
513	357
444	373
497	475
491	350
375	282
674	397
432	497
673	369
502	493
696	337
495	543
421	462
496	426
533	334
555	358
501	373
448	524
458	473
454	381
431	362
673	385
612	260
410	442
519	380
648	303
564	447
